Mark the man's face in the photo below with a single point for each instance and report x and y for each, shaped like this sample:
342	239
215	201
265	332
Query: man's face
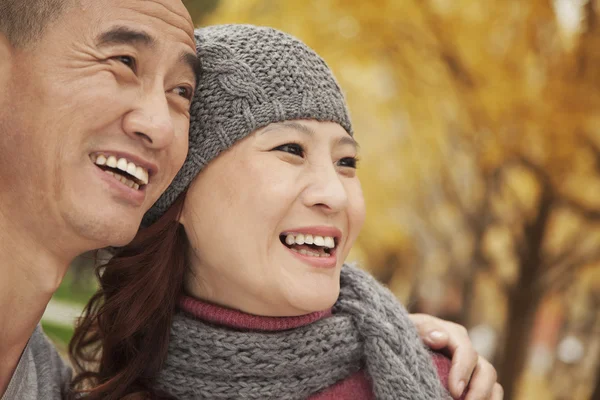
94	118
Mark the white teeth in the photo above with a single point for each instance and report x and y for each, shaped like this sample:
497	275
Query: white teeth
122	164
123	180
141	174
111	161
131	169
290	240
300	239
308	253
329	242
311	253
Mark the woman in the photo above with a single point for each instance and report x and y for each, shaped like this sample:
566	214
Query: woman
248	244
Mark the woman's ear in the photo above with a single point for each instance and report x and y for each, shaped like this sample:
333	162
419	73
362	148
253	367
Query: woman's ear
181	218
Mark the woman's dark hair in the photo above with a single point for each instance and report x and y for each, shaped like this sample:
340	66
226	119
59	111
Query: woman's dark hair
121	341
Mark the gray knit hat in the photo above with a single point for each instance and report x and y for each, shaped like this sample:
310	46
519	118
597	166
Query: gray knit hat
251	77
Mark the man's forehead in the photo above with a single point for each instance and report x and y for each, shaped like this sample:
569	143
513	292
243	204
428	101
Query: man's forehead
166	17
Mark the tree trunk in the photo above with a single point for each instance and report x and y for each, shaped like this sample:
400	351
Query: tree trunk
596	393
522	308
524	298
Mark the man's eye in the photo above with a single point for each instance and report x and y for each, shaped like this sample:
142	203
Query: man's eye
350	162
128	61
184	91
292	148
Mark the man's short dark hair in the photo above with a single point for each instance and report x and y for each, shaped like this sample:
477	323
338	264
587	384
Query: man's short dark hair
24	21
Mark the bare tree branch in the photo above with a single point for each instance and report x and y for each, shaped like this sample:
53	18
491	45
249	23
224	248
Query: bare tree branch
570	249
566	270
594	148
589	213
520	207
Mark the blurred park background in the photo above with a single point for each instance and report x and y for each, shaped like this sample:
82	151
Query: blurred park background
479	127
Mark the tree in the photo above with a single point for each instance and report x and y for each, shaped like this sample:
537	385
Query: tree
522	174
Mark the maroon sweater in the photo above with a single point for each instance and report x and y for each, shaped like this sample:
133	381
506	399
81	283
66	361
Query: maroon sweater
357	386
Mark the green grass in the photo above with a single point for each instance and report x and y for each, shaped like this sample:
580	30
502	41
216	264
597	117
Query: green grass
79	294
58	334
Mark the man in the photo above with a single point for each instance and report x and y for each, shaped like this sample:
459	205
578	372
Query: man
94	116
83	83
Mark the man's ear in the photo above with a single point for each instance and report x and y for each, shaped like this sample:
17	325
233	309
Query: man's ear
6	52
6	68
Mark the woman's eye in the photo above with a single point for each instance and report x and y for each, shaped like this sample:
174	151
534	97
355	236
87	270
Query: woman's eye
350	162
128	61
292	148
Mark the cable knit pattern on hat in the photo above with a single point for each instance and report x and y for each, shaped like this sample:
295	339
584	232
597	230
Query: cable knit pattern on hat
251	77
369	328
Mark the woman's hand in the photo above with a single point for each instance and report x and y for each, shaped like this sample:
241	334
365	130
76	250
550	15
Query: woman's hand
468	367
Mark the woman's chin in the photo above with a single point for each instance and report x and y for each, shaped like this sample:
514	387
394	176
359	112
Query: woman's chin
309	300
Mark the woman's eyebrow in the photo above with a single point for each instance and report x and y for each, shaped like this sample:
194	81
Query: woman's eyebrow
344	140
348	140
291	125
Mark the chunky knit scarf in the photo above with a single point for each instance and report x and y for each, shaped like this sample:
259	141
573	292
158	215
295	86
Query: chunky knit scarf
369	329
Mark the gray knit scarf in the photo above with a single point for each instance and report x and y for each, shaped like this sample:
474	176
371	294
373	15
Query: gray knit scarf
369	329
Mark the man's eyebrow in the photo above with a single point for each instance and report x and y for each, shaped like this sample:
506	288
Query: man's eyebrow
193	62
125	35
344	140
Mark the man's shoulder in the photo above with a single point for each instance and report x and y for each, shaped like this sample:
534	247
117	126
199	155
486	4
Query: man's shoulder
41	372
41	348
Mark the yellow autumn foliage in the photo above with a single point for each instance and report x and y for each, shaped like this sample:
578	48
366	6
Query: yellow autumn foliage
480	151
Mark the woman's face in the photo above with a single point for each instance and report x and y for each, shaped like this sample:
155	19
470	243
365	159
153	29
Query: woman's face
291	182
